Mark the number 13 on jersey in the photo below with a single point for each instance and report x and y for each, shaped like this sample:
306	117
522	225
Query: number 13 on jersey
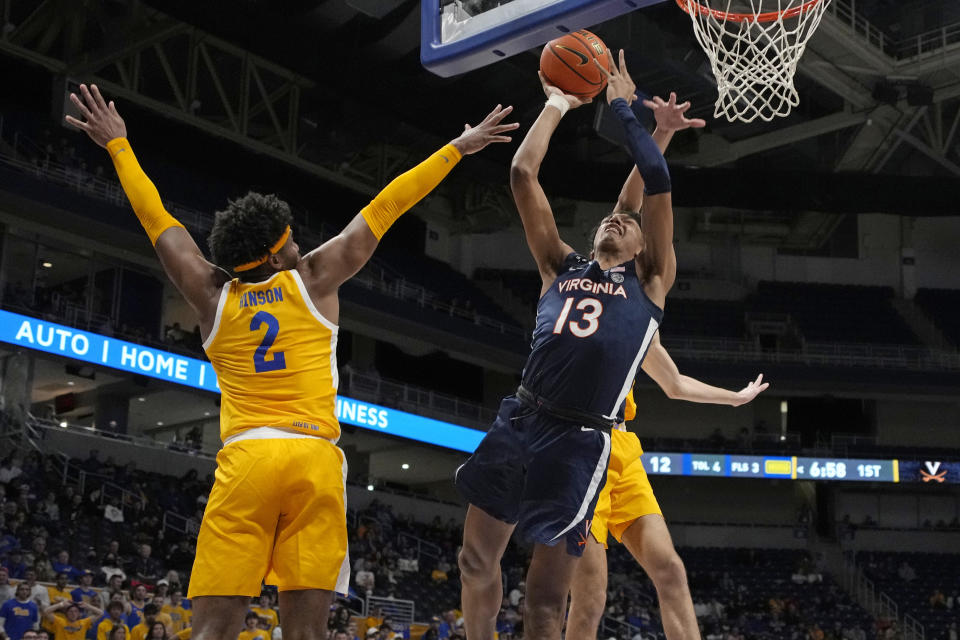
592	309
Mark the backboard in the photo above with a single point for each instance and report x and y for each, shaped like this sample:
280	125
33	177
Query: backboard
461	35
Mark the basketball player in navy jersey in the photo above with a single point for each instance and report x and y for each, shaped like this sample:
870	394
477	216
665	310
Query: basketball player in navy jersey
542	464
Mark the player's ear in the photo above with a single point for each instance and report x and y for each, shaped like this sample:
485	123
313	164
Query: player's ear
276	262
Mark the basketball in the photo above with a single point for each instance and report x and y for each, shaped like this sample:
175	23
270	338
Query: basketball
567	63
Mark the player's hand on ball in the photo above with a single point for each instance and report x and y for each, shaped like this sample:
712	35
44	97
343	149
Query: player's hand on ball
550	90
751	391
619	83
670	115
474	139
100	120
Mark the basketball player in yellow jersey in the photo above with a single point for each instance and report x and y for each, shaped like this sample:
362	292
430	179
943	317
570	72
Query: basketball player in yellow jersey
628	509
276	509
627	505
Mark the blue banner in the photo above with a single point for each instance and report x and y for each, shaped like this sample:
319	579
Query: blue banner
126	356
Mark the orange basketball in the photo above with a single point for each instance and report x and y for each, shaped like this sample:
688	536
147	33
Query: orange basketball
567	63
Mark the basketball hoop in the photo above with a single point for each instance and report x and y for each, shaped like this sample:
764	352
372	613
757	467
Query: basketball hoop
754	53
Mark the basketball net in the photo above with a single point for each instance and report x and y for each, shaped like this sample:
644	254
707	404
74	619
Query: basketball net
754	53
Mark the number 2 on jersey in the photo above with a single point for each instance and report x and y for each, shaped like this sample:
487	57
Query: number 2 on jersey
591	317
260	362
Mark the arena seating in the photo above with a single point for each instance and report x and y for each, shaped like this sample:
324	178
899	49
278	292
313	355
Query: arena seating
914	580
835	313
942	306
685	317
755	592
761	593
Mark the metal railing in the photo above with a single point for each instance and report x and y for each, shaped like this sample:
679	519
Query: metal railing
180	524
421	546
845	11
140	441
400	611
866	593
817	353
403	396
923	44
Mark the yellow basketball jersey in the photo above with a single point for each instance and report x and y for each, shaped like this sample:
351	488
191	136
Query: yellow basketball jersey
275	358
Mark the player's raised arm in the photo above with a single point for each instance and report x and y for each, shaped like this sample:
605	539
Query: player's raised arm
663	370
670	119
659	259
341	257
538	223
197	279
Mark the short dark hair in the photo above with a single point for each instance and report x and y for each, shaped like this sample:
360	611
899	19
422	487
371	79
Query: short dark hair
247	228
115	605
593	231
252	614
72	605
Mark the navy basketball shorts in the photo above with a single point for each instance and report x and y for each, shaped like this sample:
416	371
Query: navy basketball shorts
539	472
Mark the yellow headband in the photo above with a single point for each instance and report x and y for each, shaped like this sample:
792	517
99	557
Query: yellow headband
247	266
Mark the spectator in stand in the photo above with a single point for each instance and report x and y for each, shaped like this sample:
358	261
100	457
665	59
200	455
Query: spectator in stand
16	567
252	630
72	625
6	589
365	579
37	558
111	568
178	611
445	630
138	601
85	592
938	600
30	634
906	572
151	616
50	510
19	614
38	592
339	619
341	634
115	619
118	633
432	632
144	568
10	468
58	592
265	610
157	632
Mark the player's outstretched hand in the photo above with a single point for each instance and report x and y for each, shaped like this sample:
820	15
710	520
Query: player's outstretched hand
100	120
619	82
474	139
550	90
670	115
751	391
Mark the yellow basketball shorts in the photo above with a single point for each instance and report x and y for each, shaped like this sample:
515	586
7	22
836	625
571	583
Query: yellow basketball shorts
277	511
627	494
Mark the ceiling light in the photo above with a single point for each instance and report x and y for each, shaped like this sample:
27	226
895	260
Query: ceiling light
64	424
70	383
369	487
206	413
46	264
159	423
141	399
404	466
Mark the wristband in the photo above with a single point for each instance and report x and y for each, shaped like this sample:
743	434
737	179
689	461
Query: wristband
559	102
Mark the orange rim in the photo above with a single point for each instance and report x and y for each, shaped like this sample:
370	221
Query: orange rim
692	5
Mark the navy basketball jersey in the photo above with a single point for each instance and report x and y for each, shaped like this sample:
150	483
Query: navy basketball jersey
593	331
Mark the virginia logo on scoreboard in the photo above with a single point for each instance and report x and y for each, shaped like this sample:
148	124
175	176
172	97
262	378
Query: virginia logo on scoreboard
933	473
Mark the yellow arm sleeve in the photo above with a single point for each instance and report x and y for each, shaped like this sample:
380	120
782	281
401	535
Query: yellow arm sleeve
140	190
408	189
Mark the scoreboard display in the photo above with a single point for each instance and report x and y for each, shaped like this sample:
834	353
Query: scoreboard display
799	468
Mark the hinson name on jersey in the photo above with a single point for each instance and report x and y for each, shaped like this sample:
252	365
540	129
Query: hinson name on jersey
594	327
